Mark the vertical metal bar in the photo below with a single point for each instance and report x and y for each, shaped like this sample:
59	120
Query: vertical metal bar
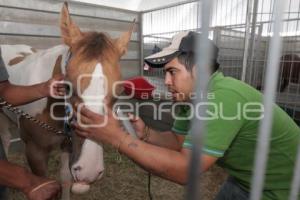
256	55
296	180
197	127
141	37
252	44
263	144
269	29
247	37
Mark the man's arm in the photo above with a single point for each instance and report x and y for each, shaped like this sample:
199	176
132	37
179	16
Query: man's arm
166	139
166	163
17	177
18	95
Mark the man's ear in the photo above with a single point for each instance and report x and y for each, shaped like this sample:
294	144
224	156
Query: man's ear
70	32
124	39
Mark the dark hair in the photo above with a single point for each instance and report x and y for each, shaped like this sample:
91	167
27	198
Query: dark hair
188	60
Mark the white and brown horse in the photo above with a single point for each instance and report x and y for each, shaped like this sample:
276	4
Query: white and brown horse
93	56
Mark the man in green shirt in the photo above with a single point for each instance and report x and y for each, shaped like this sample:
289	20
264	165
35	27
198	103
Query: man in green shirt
234	112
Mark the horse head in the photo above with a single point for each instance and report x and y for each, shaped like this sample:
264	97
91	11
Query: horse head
92	70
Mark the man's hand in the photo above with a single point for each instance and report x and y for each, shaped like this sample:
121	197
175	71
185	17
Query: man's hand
55	86
138	125
101	128
42	189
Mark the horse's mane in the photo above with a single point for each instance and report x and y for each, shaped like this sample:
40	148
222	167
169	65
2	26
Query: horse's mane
95	45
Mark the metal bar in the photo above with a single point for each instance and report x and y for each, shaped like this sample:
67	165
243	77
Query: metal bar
271	12
252	44
247	37
28	35
269	29
36	30
296	180
197	128
72	14
162	33
256	55
141	39
243	24
263	143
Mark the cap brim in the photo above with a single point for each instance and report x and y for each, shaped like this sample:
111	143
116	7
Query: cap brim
161	58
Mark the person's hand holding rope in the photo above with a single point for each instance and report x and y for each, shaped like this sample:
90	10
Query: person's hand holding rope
42	189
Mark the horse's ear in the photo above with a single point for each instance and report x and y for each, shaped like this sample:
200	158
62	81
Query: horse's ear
69	30
123	41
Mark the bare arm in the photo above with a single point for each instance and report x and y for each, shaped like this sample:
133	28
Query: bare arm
166	139
166	163
17	177
18	95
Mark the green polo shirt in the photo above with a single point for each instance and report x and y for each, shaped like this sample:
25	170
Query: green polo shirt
232	125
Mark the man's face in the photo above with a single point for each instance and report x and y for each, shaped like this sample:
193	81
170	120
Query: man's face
179	80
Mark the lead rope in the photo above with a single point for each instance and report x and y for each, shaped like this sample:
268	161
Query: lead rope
21	113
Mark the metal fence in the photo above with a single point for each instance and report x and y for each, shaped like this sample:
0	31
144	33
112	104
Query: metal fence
228	29
249	34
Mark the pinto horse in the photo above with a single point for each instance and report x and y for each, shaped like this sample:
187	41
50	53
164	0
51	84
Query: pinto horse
92	69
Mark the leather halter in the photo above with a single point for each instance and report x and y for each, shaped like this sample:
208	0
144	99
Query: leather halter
68	107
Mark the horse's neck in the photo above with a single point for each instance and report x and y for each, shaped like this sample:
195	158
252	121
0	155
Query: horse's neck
36	67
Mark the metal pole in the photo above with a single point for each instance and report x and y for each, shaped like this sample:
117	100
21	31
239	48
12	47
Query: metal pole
252	44
263	141
141	38
247	36
296	180
73	14
197	128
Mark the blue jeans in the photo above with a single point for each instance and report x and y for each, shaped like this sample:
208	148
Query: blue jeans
230	190
3	195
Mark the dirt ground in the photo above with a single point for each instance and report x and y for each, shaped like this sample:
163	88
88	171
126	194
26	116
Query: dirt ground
125	180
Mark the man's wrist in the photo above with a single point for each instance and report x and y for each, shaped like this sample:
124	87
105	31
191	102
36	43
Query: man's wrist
28	181
146	134
43	89
116	143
